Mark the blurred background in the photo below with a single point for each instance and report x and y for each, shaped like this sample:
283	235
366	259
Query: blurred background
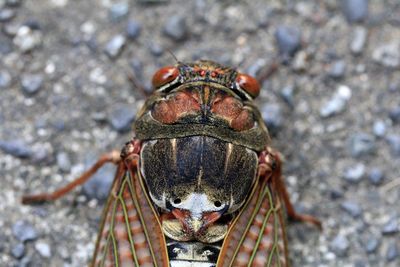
332	106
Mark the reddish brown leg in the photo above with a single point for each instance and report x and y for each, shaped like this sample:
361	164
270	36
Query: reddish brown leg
270	162
113	156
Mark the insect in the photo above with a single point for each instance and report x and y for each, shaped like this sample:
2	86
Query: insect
199	184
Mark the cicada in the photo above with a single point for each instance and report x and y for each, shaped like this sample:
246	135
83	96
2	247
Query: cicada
199	184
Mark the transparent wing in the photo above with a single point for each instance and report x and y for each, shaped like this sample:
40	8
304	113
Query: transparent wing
257	236
130	233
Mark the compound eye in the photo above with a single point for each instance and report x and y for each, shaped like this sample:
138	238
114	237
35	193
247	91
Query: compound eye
249	84
164	76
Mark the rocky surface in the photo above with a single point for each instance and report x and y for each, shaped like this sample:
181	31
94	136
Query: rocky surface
332	105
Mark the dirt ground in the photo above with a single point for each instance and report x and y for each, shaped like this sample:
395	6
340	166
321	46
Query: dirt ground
333	107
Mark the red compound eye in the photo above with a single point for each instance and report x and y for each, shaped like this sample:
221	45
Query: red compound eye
249	84
164	76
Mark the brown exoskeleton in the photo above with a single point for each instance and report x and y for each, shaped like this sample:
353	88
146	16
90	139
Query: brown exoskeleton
199	184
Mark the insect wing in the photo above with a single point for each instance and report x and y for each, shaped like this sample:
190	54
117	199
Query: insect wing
257	235
130	233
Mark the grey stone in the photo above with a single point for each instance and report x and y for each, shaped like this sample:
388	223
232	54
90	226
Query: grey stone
372	245
31	83
354	173
17	148
24	231
390	227
114	47
121	118
387	55
337	103
361	144
272	115
14	3
338	69
156	49
287	94
392	252
288	39
133	29
18	251
176	28
5	79
379	128
358	41
376	176
340	245
98	187
352	208
63	162
27	39
43	249
25	262
118	11
355	10
394	114
6	14
394	143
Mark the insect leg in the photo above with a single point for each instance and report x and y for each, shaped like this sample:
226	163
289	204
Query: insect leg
272	159
113	156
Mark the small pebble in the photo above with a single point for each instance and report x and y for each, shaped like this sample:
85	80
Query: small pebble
376	176
272	115
354	173
387	55
31	83
289	40
355	10
372	245
358	41
43	249
18	251
379	128
338	69
137	67
133	29
25	262
63	162
287	94
14	3
336	193
6	14
16	148
337	103
394	143
156	49
42	153
394	114
176	28
392	252
300	61
122	117
27	39
114	47
98	187
340	245
361	144
352	208
390	227
5	79
118	11
24	231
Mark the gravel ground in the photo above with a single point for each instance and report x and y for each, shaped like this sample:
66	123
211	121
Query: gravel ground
333	107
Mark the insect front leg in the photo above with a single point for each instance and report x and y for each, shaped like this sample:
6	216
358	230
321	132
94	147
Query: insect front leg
271	168
113	157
